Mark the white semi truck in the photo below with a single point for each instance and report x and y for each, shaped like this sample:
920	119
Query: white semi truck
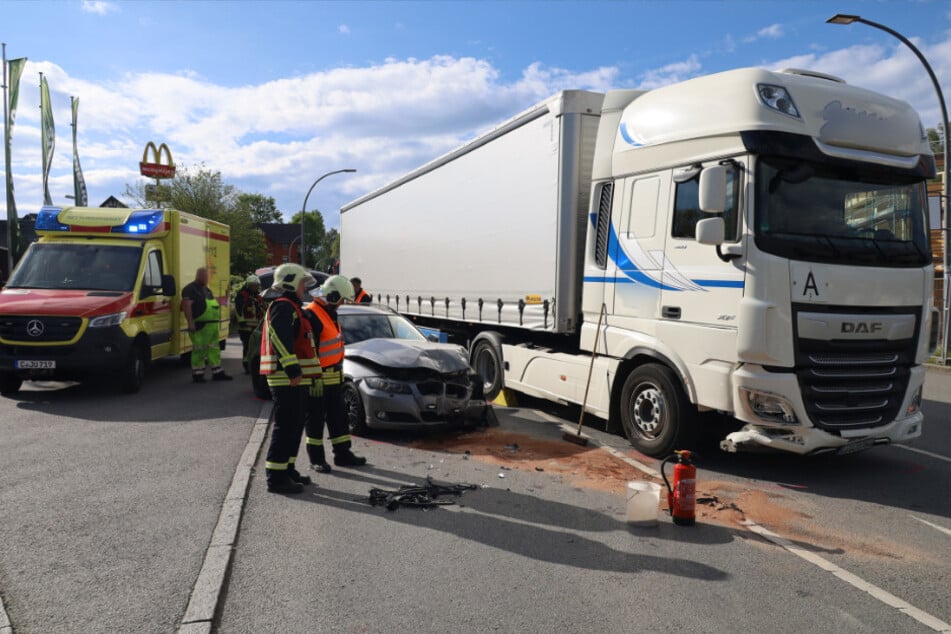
752	242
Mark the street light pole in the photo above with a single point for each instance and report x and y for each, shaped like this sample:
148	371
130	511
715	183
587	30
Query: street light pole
303	209
841	18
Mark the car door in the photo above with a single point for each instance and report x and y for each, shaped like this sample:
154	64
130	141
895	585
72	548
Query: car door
153	306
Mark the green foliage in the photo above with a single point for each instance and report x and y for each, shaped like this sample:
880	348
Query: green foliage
321	245
261	208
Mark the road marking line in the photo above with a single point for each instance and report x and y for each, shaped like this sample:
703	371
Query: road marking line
206	593
946	531
930	454
617	453
853	580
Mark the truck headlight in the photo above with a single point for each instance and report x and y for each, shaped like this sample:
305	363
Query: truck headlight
777	98
915	403
112	319
386	385
770	407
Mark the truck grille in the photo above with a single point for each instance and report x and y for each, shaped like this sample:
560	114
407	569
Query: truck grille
45	328
854	384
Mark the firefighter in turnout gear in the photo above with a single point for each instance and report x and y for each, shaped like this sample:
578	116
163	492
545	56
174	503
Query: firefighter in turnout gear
325	404
289	361
203	314
249	306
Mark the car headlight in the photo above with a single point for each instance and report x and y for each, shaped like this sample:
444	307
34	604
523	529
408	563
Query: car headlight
770	407
386	385
113	319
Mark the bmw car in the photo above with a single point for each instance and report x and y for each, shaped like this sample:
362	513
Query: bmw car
397	378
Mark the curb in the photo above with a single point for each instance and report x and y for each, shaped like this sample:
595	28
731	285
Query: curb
206	593
5	626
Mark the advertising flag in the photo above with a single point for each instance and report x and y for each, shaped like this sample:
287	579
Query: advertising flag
47	136
13	69
79	184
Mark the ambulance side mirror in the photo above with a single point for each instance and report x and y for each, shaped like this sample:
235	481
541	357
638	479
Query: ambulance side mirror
169	289
713	189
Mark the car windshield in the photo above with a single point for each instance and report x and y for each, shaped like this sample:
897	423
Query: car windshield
88	267
362	327
820	213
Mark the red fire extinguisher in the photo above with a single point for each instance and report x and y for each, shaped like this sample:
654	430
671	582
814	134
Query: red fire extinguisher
681	497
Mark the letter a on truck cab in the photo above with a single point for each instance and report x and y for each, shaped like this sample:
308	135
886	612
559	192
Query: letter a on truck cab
98	294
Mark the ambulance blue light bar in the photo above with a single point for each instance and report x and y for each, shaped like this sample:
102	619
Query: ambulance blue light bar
46	220
142	222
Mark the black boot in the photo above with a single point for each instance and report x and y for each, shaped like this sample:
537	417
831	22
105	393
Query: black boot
297	476
221	376
321	467
346	458
198	378
283	484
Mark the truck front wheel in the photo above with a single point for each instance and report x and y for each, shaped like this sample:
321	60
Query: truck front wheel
487	362
9	383
655	413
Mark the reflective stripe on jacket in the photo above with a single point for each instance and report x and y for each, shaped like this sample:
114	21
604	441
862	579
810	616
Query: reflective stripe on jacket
276	358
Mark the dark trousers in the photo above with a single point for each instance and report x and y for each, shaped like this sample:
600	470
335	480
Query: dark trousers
327	410
245	336
289	404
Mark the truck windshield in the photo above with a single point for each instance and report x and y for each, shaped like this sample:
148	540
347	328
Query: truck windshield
88	267
821	213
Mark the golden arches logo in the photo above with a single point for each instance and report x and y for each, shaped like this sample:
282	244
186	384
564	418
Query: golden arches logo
157	169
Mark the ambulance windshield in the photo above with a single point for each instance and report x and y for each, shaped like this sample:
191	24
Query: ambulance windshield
88	267
820	213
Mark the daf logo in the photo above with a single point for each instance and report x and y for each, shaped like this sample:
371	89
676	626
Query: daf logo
35	328
862	327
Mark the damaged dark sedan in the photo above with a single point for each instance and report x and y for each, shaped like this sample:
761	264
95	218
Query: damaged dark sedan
396	378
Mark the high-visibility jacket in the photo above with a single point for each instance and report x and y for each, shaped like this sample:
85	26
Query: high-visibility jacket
362	297
276	358
330	346
250	309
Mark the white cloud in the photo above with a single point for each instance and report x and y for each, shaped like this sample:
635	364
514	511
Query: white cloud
99	7
670	74
771	32
344	29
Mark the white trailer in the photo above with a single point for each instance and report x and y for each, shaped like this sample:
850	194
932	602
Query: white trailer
756	240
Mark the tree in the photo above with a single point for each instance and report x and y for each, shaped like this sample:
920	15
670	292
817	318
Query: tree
321	245
261	208
936	139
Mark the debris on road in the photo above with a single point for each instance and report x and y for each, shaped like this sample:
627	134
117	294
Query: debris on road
424	496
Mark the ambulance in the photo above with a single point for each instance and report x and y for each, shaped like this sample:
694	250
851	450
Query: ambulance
98	295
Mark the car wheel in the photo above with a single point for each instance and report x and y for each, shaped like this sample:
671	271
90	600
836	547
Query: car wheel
353	409
258	380
9	383
133	375
656	416
487	362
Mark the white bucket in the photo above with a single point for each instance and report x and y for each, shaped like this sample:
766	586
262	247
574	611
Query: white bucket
643	499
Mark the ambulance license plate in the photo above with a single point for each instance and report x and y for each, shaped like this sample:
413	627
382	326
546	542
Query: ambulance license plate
35	365
854	446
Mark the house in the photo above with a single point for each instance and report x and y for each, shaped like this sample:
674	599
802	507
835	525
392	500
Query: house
280	241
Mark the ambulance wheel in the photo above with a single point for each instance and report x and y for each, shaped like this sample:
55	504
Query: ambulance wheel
353	409
486	360
134	374
656	416
9	383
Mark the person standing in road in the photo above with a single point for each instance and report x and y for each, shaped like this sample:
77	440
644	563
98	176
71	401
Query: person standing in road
360	296
289	361
325	405
250	309
203	314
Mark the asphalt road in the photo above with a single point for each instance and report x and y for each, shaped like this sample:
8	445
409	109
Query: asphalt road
108	501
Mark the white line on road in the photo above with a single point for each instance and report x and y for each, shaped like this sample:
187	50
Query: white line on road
885	597
206	592
930	454
946	531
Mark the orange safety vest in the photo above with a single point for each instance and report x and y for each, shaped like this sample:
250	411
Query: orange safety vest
304	352
359	298
330	348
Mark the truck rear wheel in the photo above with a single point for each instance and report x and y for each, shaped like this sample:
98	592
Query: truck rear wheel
656	416
10	383
133	375
487	362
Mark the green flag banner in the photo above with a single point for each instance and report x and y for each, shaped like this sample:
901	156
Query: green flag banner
47	137
14	69
79	183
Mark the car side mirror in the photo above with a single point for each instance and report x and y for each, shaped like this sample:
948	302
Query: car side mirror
169	289
432	337
713	189
711	231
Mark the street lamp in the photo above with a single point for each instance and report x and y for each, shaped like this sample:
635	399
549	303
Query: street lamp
841	18
303	209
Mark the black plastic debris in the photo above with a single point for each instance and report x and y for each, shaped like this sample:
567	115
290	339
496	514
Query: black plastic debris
424	496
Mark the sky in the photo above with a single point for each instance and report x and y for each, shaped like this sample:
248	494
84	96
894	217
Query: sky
275	94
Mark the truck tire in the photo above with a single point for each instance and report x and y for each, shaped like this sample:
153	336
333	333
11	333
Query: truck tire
486	360
258	380
353	409
9	383
656	416
133	375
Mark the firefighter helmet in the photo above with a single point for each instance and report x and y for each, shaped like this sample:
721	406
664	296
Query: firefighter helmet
340	285
251	280
288	276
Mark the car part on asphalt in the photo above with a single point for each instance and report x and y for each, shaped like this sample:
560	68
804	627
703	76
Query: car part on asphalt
425	496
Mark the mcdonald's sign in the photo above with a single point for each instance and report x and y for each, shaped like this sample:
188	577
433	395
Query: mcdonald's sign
157	169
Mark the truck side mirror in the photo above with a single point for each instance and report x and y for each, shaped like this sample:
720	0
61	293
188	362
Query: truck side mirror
711	231
169	288
713	189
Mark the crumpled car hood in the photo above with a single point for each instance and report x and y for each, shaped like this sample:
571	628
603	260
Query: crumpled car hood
404	353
